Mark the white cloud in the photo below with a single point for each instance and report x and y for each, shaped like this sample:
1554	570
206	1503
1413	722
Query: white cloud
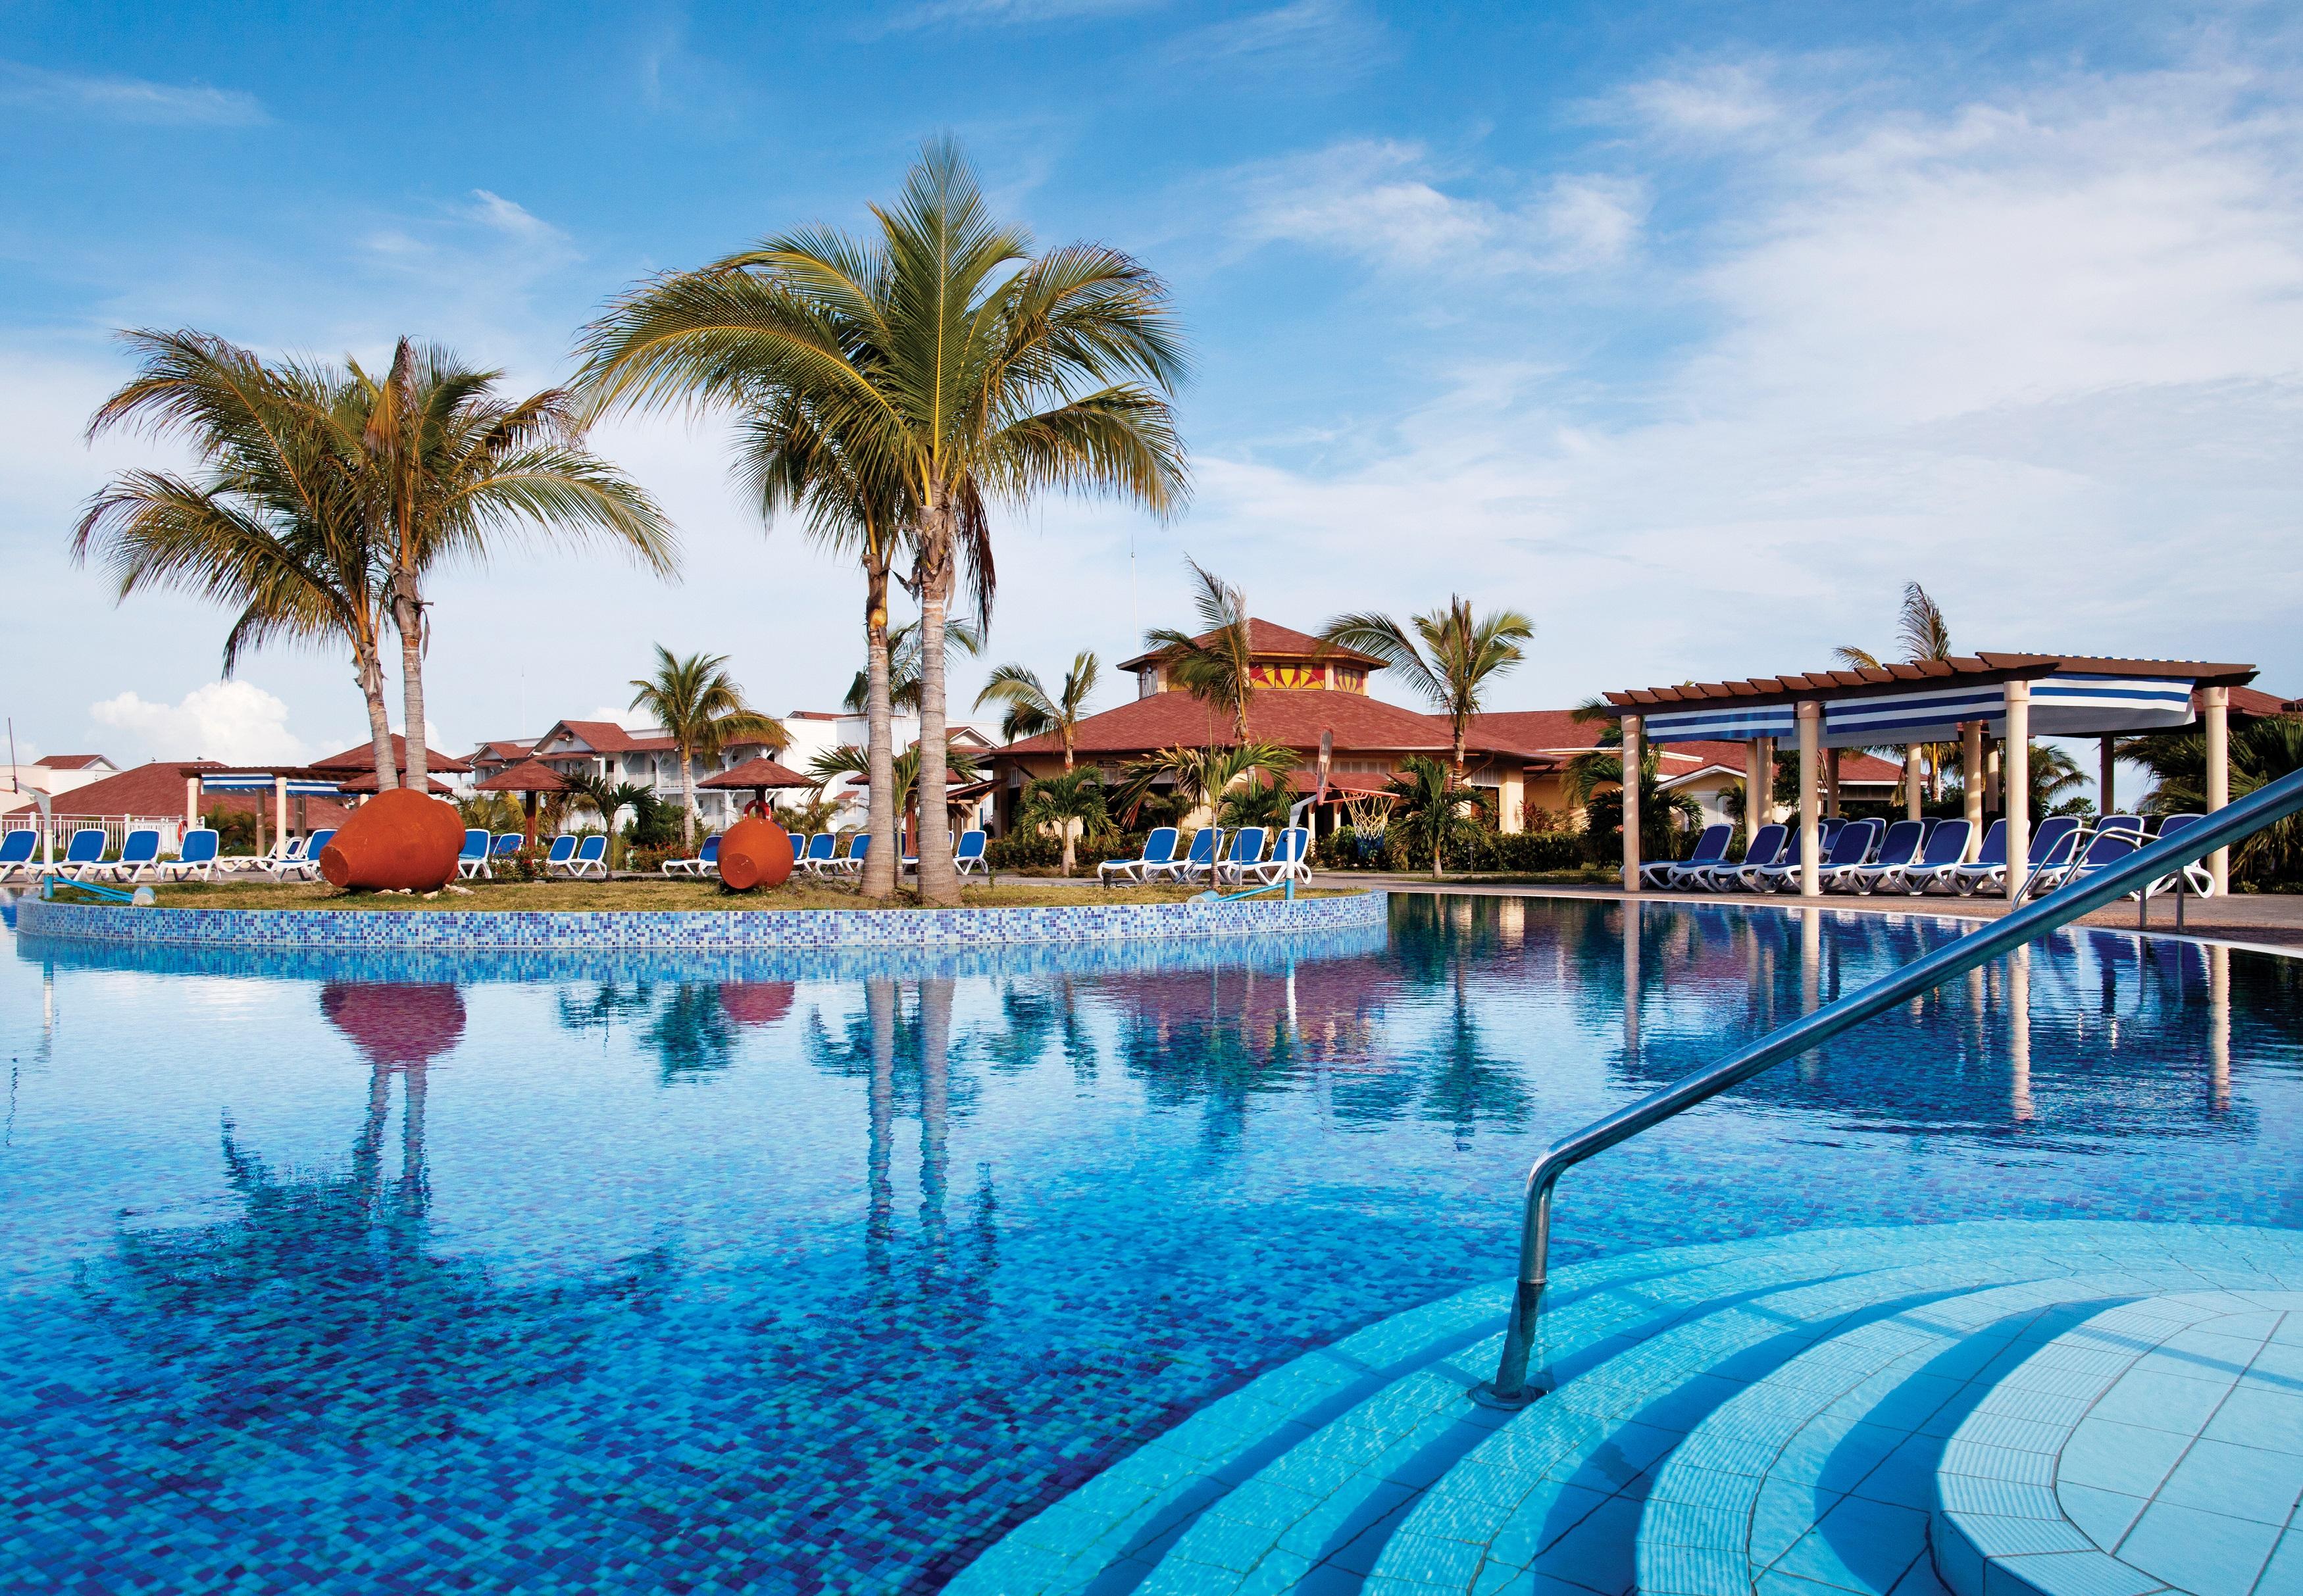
1719	100
2044	353
1319	38
1380	200
127	99
236	722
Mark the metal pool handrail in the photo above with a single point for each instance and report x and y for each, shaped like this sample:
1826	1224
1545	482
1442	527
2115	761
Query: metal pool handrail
1512	1387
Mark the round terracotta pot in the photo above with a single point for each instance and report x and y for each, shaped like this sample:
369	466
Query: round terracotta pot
396	839
755	853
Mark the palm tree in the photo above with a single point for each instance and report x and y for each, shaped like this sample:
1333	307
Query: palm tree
1214	666
2261	751
275	525
1072	802
454	468
941	357
703	709
1663	815
1924	637
959	637
1199	777
1258	800
1458	654
1427	811
1032	710
904	773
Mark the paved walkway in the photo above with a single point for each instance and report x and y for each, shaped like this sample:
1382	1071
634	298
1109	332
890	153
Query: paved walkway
2270	918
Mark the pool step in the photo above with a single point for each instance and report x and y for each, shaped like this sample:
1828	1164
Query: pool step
1757	1414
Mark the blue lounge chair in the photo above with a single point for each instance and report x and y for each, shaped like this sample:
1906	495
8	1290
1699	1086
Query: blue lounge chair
1769	845
506	843
138	852
1851	846
556	857
306	865
1989	864
1945	852
1159	855
1200	863
2053	846
2197	879
967	851
2102	849
196	855
474	859
16	851
1898	849
706	859
852	862
1710	849
591	857
1290	856
820	850
83	854
798	846
1246	849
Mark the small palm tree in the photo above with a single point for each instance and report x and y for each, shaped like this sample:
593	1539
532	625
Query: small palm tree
1459	654
1663	814
696	702
942	361
276	525
456	470
1073	804
959	638
1199	777
2261	751
1924	637
1214	665
1032	710
1429	809
1256	801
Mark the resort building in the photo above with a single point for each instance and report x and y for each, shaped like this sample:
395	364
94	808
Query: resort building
55	775
1304	693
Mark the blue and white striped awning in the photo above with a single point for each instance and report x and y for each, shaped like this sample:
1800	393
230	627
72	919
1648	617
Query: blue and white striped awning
2066	704
1729	722
255	781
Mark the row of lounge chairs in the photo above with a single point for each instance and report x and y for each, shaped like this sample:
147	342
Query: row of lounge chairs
1920	856
198	855
571	856
820	856
1210	860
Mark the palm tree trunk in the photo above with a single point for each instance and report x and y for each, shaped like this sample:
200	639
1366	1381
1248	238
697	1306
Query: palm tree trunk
938	881
408	614
379	718
686	798
881	861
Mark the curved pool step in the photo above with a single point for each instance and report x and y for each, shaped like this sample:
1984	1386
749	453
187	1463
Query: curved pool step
2158	1446
1712	1404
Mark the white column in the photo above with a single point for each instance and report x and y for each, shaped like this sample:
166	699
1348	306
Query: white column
192	802
1810	735
1915	778
2216	704
279	811
1970	775
2015	785
2018	1034
1634	754
1630	978
1511	797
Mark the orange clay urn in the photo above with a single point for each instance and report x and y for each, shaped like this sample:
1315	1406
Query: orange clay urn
396	840
755	853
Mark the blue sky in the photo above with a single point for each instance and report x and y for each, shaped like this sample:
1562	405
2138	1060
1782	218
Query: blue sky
1693	330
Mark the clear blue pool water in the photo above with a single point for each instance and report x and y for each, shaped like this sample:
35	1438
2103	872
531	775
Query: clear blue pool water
594	1274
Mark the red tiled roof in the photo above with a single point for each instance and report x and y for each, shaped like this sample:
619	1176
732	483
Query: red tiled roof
1537	731
1293	716
71	761
530	776
602	736
1269	637
362	757
158	789
2246	701
364	782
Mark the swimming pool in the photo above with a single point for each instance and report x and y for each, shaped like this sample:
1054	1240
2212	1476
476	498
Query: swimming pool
815	1273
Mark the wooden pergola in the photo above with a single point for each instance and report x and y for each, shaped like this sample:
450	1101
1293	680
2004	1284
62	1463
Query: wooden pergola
2009	697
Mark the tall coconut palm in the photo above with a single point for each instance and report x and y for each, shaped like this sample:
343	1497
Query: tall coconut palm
1459	654
276	524
1032	710
1924	637
942	354
696	701
1214	665
457	470
1427	809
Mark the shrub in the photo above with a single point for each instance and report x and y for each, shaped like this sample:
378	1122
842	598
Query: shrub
650	860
